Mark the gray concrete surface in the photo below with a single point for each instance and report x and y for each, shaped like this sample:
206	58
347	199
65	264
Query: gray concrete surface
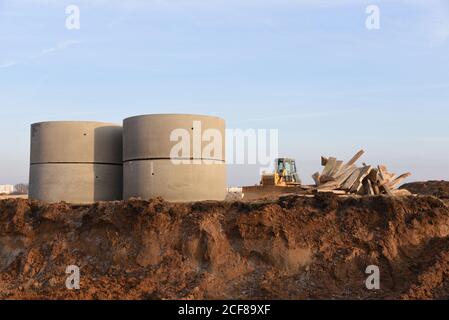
176	183
148	169
75	183
76	141
148	136
76	162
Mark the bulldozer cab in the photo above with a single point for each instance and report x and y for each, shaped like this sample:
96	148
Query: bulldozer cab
285	171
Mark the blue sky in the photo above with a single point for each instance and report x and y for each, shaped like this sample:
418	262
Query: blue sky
308	68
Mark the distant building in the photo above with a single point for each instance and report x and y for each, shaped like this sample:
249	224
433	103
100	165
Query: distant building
6	188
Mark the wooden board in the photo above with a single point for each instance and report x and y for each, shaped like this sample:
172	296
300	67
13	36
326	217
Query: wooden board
329	167
332	191
358	183
376	189
345	175
328	185
368	187
316	178
342	178
336	170
355	157
387	190
381	171
324	161
373	175
351	180
396	182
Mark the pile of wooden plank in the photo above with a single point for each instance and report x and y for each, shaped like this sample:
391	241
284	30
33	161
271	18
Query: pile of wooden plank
346	178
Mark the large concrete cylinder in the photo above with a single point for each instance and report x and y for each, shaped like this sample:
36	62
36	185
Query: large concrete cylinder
178	157
76	161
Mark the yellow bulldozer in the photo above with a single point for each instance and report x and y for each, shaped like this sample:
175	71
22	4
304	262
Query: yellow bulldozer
283	179
284	174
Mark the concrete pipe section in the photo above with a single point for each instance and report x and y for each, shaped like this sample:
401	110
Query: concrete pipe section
76	162
177	157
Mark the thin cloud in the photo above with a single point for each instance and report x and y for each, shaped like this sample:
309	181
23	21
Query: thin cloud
59	47
8	65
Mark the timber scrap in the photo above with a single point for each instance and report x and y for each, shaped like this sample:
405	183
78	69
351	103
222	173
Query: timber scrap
346	178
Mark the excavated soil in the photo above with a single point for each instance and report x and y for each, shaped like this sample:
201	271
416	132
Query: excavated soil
438	189
291	248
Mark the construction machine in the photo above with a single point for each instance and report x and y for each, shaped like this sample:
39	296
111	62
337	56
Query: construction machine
284	179
284	174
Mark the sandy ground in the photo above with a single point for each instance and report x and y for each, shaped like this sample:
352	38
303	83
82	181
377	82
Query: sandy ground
290	248
3	197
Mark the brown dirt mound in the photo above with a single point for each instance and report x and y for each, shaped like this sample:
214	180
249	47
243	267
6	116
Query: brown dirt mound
438	189
292	248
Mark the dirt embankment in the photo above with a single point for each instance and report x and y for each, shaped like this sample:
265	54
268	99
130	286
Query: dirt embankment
293	248
438	189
